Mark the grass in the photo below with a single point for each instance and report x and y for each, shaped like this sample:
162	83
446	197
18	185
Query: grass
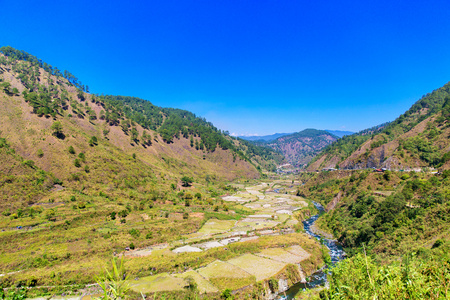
158	283
281	255
203	285
217	226
259	267
222	269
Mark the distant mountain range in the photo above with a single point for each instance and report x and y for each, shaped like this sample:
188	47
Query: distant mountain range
340	133
266	138
274	136
299	148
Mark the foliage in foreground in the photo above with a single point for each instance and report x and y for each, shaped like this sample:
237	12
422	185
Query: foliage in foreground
361	278
114	283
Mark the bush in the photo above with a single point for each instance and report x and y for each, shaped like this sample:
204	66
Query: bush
405	176
134	233
93	141
40	153
29	163
77	163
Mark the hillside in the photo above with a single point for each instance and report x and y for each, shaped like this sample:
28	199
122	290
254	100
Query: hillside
393	226
35	95
416	139
84	176
300	147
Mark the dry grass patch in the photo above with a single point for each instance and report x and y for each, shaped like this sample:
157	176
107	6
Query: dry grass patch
219	268
217	226
157	283
223	283
298	251
260	267
203	285
281	255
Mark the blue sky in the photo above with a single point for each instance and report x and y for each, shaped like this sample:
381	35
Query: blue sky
250	67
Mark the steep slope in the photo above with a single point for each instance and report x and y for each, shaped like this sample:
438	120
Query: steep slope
300	147
35	95
416	139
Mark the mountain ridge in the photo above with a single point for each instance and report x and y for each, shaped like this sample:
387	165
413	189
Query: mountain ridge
416	139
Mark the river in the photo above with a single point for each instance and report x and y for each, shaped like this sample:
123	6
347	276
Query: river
320	276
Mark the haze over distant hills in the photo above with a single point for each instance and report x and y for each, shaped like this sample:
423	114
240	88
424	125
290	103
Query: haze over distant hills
300	147
274	136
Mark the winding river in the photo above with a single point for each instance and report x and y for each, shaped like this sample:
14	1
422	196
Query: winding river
320	276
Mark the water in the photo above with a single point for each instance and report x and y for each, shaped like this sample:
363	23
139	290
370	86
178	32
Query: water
320	276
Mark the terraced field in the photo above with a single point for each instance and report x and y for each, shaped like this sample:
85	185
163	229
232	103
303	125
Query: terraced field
269	213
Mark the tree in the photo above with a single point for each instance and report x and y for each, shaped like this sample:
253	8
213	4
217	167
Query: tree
77	163
71	150
57	129
6	85
186	181
134	135
93	141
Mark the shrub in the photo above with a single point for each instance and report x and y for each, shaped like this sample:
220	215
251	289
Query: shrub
134	233
40	153
82	156
93	141
77	163
29	163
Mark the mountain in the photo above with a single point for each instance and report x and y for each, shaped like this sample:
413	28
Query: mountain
37	96
339	133
416	139
392	221
266	138
300	147
83	176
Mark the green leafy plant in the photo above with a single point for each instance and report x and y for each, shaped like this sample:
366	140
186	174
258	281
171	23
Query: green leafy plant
114	283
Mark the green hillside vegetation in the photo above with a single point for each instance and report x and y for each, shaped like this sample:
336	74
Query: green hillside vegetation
417	138
388	215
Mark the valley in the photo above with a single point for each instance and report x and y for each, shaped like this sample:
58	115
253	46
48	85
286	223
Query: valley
112	196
